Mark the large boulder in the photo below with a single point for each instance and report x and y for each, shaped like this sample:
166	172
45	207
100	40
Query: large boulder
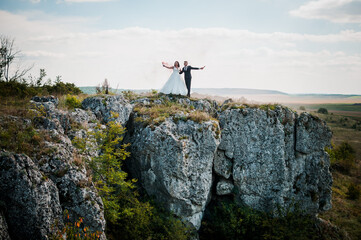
46	99
48	116
31	199
77	193
173	162
278	158
104	106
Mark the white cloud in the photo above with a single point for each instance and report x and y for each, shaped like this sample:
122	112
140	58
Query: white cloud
339	11
35	1
132	57
39	53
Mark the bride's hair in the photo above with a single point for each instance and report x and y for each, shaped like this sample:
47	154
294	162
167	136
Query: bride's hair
176	64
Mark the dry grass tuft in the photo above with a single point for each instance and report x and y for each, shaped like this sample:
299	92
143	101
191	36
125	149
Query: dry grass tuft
199	116
77	159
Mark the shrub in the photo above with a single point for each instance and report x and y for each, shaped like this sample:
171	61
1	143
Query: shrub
17	89
342	157
229	221
353	192
72	102
60	88
322	111
30	87
108	177
302	108
127	216
144	220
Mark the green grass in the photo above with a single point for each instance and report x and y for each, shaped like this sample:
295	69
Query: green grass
20	137
350	107
345	213
336	107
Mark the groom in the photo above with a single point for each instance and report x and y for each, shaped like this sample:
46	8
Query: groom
187	75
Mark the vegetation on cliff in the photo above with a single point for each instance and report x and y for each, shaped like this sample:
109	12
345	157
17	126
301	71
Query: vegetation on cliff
229	221
128	215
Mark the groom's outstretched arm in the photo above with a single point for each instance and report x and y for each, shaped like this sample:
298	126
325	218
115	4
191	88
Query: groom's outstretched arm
195	68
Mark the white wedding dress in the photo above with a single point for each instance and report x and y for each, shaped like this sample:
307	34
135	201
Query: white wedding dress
175	84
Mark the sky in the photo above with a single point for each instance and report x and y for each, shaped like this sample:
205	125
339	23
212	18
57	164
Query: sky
297	46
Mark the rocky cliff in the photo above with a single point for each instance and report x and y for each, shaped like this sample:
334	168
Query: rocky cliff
184	152
267	156
35	191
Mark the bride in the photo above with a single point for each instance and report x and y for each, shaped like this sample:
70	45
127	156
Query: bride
174	85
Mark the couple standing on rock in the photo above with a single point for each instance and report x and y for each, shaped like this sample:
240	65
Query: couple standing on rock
175	85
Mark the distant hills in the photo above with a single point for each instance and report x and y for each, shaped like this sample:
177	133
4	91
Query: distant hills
258	95
235	91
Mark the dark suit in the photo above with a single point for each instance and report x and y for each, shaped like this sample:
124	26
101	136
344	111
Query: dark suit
188	77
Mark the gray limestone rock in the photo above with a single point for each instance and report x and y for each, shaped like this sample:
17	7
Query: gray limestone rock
269	169
312	134
82	117
222	165
103	107
173	163
44	99
200	104
49	117
76	191
31	199
224	187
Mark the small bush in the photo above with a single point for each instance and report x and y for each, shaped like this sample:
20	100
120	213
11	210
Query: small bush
342	157
72	102
353	192
302	108
322	111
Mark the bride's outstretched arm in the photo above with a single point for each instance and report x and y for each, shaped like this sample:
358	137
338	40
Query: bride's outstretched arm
166	65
